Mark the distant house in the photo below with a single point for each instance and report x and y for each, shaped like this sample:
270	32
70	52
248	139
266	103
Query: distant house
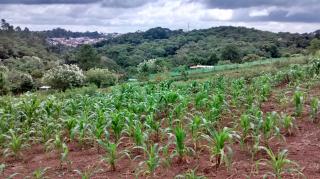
45	87
200	66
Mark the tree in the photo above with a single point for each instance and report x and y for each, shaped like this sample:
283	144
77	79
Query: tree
314	46
87	57
272	50
213	60
64	76
101	77
20	82
232	53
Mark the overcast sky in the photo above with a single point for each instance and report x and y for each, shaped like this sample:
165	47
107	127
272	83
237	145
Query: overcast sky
132	15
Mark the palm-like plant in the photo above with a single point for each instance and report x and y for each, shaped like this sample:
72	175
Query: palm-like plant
112	155
117	126
180	137
218	140
279	163
15	144
153	159
298	99
314	108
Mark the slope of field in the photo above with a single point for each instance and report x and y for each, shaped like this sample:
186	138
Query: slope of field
169	129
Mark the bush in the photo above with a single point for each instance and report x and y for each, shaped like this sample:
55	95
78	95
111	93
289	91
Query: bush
20	82
4	89
64	77
101	77
250	58
231	53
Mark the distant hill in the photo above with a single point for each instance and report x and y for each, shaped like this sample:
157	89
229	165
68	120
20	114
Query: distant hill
177	47
62	33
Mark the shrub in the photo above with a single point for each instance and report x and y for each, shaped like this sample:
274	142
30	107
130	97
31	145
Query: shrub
20	82
250	58
4	89
64	76
101	77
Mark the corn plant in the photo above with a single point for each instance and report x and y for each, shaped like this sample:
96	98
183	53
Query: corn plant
191	174
153	126
112	155
2	168
180	137
40	173
153	160
298	99
218	147
314	108
288	124
15	144
166	156
196	130
279	163
88	172
64	156
245	126
139	136
117	126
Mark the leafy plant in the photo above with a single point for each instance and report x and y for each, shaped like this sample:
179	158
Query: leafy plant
181	149
153	159
40	173
218	140
279	163
288	124
112	155
298	99
15	144
2	168
314	108
191	174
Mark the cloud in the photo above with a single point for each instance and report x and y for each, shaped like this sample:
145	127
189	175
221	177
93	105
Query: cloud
235	4
132	15
47	1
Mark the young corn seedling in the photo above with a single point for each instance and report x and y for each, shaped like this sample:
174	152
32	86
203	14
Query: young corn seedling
298	99
166	156
2	168
112	155
64	156
288	124
191	174
40	173
196	130
88	172
279	163
153	126
153	160
245	126
218	147
314	108
117	126
138	135
15	144
181	149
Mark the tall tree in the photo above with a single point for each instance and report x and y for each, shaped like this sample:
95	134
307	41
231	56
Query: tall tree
87	57
232	53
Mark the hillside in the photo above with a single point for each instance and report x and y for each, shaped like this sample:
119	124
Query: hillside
201	46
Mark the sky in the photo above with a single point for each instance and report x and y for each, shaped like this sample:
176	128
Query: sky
131	15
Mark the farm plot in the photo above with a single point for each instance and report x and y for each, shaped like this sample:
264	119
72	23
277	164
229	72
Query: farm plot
266	126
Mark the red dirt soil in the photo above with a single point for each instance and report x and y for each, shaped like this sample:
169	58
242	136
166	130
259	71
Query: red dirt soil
303	146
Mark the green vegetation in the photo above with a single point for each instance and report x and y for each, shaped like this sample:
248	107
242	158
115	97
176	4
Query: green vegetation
158	124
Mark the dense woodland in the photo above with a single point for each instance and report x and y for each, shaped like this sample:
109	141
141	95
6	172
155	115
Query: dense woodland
25	56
